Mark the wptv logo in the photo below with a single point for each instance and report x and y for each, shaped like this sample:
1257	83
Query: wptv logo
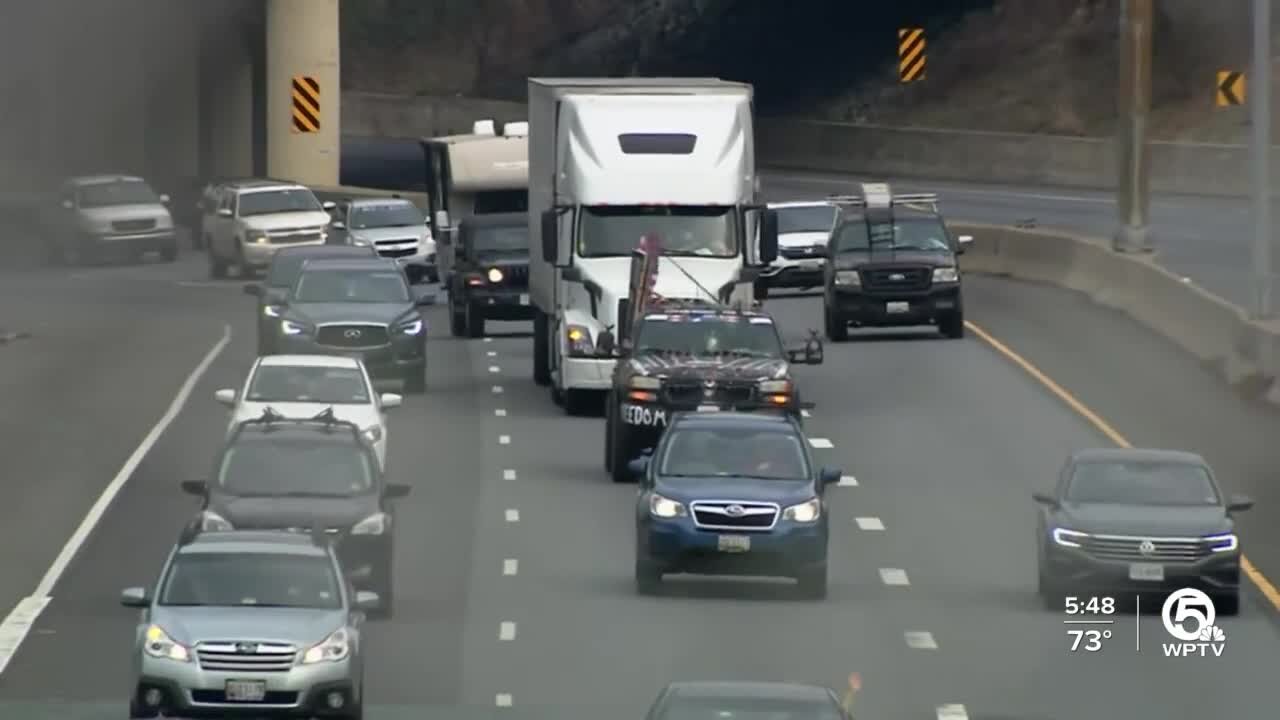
1188	615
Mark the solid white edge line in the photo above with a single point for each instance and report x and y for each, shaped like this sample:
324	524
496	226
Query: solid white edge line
18	623
510	566
508	474
954	711
502	699
847	481
506	631
513	515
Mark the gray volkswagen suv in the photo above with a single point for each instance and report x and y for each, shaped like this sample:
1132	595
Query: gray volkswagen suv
249	622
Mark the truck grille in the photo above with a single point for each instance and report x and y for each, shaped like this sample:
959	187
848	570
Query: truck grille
293	237
352	336
246	656
800	253
1129	548
133	225
695	392
733	515
897	278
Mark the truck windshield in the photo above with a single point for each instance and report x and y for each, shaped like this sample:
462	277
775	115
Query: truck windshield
708	336
702	231
922	234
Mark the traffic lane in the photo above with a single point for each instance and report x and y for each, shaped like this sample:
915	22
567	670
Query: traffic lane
101	366
413	658
1204	238
573	599
1148	389
957	476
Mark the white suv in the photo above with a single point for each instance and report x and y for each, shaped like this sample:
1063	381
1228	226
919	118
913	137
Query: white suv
251	220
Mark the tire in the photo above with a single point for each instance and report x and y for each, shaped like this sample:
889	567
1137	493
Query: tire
433	275
648	577
618	448
541	349
608	433
457	320
1050	594
415	381
761	290
386	589
837	329
474	320
952	326
71	251
137	710
217	268
1227	604
577	402
812	585
356	712
169	253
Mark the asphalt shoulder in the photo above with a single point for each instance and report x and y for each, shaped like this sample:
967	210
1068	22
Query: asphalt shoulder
1145	387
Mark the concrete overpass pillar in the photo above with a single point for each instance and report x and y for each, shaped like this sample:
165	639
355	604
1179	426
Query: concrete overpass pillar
226	102
303	142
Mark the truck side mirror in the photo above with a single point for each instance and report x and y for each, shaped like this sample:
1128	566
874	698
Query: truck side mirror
550	236
768	236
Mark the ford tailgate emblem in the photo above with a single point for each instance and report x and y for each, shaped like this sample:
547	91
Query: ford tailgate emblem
897	276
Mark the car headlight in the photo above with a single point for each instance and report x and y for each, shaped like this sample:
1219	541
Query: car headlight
164	222
848	278
373	434
579	339
946	274
413	327
806	512
773	387
271	311
360	242
662	507
1223	542
289	327
213	522
158	644
495	275
644	382
375	524
255	237
335	648
1068	538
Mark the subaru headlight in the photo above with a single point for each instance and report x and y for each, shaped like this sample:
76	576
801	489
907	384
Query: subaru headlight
335	648
412	327
1068	538
849	278
946	275
644	382
213	522
806	512
272	311
775	387
289	327
495	275
373	434
1223	542
375	524
158	644
661	507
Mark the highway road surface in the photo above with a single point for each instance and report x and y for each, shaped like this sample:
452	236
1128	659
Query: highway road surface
515	551
1204	238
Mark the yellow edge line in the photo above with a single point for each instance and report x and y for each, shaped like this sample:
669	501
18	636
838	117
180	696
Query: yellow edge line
1250	570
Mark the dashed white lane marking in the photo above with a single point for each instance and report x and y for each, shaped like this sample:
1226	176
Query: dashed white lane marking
502	699
805	413
497	389
821	443
847	481
510	566
488	339
952	712
894	576
917	640
492	353
508	474
869	523
14	628
513	515
494	369
507	631
500	412
504	439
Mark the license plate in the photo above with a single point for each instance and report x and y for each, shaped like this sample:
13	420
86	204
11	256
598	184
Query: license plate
897	307
246	690
708	408
524	299
734	543
1148	572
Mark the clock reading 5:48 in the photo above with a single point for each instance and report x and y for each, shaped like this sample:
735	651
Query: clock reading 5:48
1091	605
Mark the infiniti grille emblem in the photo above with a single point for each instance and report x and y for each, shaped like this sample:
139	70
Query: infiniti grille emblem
1146	547
734	511
352	334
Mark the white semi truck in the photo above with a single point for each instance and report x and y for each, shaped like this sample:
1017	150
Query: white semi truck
612	160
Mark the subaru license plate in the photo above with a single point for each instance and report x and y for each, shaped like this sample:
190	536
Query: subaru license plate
245	690
1148	572
734	543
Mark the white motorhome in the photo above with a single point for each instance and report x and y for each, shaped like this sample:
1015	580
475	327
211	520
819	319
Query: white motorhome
611	160
478	173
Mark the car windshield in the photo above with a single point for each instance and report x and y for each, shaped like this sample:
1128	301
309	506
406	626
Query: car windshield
1141	483
691	231
308	384
124	192
261	579
735	452
365	217
918	233
277	201
748	709
285	268
499	240
350	286
708	335
806	218
272	466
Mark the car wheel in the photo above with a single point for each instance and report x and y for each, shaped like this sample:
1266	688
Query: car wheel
541	349
433	275
608	433
648	577
952	326
837	330
1227	604
355	712
620	452
217	268
813	584
138	710
386	589
169	253
577	402
1050	594
474	320
457	320
761	290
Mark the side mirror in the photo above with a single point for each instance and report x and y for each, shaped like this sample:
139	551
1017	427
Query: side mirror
830	476
442	220
571	274
550	236
391	400
768	236
164	198
338	225
964	241
135	597
360	575
639	467
198	488
253	289
1045	499
1239	503
396	490
810	354
68	205
328	205
224	212
226	396
368	601
606	344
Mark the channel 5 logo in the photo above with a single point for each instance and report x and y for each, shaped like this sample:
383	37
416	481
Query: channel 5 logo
1188	615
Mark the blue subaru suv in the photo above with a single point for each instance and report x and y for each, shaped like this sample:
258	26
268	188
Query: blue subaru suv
731	493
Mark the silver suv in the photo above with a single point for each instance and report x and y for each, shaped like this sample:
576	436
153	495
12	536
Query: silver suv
244	223
110	216
249	621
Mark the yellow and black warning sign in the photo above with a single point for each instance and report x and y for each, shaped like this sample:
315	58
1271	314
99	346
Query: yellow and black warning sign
1231	88
306	104
911	55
